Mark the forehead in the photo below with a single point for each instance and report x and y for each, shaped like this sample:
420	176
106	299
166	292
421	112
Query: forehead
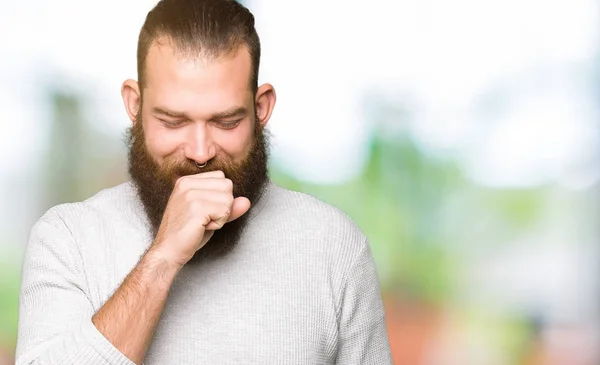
184	82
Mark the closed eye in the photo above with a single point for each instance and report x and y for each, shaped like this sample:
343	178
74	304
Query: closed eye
229	125
172	124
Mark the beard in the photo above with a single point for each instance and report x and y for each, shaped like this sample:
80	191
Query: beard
155	183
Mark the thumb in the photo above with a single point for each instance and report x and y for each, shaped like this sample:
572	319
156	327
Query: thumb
239	208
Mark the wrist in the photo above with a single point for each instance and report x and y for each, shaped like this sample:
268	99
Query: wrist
164	261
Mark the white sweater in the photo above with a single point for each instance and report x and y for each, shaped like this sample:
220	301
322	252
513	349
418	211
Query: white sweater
299	288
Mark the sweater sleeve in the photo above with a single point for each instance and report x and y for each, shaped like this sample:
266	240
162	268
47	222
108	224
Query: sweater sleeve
55	314
363	337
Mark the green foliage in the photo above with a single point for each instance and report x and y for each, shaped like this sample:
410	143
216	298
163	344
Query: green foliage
518	208
9	296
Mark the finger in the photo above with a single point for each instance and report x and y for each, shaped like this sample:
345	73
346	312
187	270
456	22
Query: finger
218	215
207	236
207	200
212	226
217	181
202	175
215	184
213	196
240	206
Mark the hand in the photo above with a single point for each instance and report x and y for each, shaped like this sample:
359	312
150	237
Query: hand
198	205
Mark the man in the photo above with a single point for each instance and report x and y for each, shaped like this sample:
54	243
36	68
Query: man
199	259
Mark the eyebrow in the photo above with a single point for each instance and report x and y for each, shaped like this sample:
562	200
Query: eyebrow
168	113
235	112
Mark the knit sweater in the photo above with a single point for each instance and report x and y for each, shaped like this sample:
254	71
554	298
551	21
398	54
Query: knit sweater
300	287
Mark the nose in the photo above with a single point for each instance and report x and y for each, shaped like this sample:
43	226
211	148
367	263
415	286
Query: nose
199	146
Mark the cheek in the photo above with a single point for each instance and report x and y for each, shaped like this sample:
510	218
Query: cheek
236	143
159	143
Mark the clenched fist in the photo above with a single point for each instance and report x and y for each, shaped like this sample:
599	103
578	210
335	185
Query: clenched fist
199	205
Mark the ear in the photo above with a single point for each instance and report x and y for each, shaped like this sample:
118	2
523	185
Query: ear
130	91
265	102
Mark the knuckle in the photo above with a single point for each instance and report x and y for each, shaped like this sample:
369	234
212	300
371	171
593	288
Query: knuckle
189	196
180	182
193	204
226	211
228	184
225	198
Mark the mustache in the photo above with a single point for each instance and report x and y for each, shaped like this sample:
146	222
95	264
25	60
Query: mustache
173	167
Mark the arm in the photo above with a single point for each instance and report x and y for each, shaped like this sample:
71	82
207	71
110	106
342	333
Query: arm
57	323
129	317
55	313
198	205
363	335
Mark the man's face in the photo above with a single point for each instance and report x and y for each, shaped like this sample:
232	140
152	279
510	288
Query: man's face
197	111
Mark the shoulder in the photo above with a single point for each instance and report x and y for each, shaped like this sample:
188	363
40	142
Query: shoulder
311	210
108	204
323	222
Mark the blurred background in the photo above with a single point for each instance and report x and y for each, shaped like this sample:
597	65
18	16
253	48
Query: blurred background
462	136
